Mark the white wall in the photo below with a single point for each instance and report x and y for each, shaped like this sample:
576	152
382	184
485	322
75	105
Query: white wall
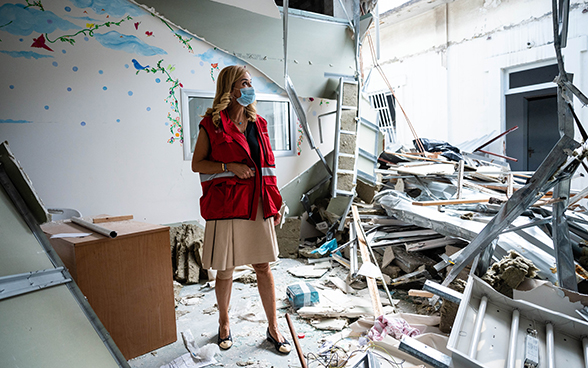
90	132
447	65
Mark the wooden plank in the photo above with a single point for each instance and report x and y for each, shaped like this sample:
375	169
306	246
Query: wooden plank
421	293
365	257
101	219
450	201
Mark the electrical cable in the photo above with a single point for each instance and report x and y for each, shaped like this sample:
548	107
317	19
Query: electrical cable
379	68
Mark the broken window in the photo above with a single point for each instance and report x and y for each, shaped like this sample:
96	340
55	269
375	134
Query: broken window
275	109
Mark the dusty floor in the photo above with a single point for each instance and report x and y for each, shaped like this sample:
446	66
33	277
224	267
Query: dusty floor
248	323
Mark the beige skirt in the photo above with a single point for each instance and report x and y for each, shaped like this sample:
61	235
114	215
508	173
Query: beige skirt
232	243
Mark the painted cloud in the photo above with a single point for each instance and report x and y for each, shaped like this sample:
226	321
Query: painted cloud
115	8
25	54
22	22
131	44
262	85
214	56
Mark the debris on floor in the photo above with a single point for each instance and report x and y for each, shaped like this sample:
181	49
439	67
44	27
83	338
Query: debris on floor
376	277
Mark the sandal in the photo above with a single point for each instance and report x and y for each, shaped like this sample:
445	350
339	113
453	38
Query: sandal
281	347
225	343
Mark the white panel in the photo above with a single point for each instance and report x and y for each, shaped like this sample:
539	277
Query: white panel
19	249
47	328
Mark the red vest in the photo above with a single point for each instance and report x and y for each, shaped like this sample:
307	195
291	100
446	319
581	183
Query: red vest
224	195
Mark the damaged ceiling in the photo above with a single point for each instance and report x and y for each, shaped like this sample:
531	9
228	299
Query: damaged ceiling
315	47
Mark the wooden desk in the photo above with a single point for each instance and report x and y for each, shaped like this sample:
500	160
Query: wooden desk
127	280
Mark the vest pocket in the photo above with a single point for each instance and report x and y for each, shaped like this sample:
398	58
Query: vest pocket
226	199
237	199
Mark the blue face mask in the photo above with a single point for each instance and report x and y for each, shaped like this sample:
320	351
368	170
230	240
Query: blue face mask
247	96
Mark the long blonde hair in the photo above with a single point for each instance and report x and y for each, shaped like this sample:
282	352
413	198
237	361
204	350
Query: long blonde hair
224	85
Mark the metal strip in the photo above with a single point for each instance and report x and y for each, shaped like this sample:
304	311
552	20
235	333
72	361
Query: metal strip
473	351
443	291
424	352
566	270
516	205
550	345
512	342
27	282
585	350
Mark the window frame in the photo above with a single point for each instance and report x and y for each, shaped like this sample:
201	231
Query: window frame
186	94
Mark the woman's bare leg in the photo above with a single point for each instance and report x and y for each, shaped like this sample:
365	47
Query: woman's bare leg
267	292
223	297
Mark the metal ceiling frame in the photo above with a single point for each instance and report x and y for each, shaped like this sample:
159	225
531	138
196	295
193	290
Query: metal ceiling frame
554	172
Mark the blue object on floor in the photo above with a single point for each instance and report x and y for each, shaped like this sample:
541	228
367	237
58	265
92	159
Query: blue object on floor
327	247
302	294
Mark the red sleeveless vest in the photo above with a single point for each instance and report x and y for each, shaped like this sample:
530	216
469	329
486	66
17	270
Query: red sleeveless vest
224	195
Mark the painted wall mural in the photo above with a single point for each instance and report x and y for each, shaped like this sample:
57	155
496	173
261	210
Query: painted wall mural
91	105
101	21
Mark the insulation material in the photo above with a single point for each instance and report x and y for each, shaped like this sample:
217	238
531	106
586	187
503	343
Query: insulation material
448	309
506	275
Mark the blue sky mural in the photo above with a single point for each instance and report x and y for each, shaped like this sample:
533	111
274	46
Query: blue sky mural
129	43
115	8
214	55
18	20
26	54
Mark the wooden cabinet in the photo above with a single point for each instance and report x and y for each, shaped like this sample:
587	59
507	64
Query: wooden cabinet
127	280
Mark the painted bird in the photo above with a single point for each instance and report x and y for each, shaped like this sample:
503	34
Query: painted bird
138	66
40	43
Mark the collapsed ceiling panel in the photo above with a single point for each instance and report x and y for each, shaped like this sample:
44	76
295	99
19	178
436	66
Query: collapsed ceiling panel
46	321
315	47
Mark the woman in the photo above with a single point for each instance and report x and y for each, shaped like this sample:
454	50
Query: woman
240	199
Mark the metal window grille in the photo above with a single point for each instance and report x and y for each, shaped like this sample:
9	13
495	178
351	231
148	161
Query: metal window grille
385	105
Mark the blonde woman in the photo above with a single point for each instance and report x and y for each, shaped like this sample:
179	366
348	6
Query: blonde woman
240	199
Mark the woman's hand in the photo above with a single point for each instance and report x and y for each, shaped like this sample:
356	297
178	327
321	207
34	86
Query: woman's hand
277	219
241	170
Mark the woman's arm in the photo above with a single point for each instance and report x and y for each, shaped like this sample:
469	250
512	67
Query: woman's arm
200	164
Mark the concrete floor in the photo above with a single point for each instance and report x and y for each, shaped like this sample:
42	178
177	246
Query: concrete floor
248	325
